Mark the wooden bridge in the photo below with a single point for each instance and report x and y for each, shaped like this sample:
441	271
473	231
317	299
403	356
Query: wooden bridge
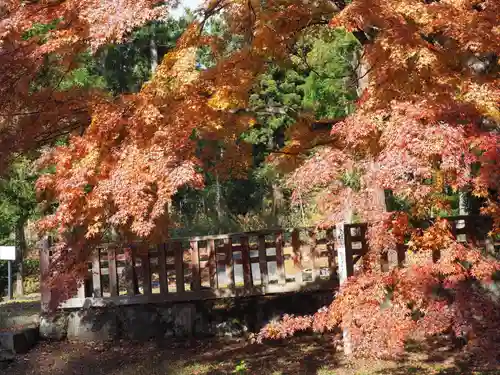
234	265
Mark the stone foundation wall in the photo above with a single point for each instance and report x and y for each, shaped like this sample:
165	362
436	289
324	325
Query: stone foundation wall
232	318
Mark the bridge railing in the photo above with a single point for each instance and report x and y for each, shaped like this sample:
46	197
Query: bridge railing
231	265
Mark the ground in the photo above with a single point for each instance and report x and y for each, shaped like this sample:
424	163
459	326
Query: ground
302	355
307	355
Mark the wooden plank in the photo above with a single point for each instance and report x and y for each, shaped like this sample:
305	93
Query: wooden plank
162	271
401	250
280	263
344	252
96	273
392	258
179	267
247	268
146	273
212	269
131	276
81	290
384	262
330	248
113	281
264	276
314	256
201	295
44	274
297	254
195	267
228	247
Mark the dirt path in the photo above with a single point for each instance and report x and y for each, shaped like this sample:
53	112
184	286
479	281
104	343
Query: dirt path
298	356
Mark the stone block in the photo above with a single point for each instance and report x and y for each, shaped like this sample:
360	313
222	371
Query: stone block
92	325
202	326
21	341
184	319
166	314
54	327
141	323
230	329
6	357
6	322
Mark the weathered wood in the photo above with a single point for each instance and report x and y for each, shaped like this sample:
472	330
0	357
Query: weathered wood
401	250
146	273
44	274
280	263
179	267
384	262
247	269
264	277
113	282
330	248
392	258
314	255
201	295
344	252
162	268
131	275
195	267
342	242
228	247
96	273
212	269
81	290
297	253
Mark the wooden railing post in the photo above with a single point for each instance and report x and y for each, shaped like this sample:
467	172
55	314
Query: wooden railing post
297	254
264	276
130	272
212	264
81	289
314	255
344	252
228	244
179	266
113	280
330	247
346	269
44	274
247	268
162	269
146	273
195	267
96	273
280	261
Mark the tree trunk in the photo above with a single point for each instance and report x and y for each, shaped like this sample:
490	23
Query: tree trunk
20	251
153	51
278	197
218	207
362	69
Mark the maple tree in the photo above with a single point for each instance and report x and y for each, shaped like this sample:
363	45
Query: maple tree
426	119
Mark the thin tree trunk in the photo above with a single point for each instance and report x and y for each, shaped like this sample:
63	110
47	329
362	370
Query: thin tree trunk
277	201
153	51
20	250
218	207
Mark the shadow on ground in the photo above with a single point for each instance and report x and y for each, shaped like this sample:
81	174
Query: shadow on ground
301	355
